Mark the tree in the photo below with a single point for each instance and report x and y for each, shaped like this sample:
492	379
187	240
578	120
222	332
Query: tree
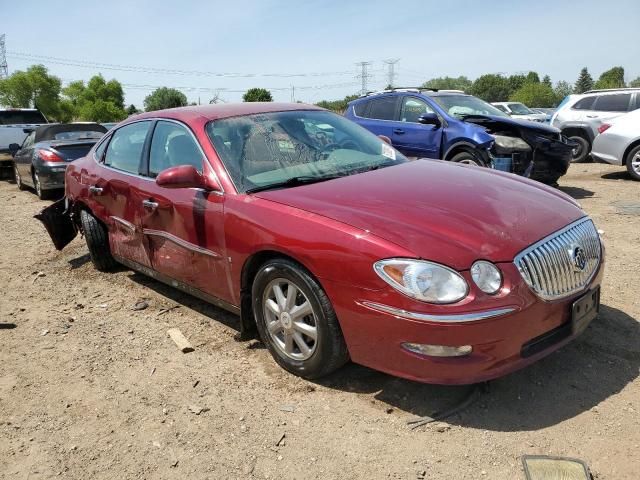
533	77
338	106
97	101
491	88
635	83
535	95
584	82
132	110
547	81
257	95
516	82
164	97
33	88
449	83
561	90
612	78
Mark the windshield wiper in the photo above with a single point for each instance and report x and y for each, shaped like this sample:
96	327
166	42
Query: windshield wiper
293	182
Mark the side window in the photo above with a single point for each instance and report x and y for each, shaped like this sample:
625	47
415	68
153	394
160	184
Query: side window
585	103
412	108
28	142
124	151
613	103
383	108
99	153
360	108
502	108
173	145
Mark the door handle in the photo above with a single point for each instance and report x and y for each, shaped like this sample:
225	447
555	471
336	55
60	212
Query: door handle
150	204
398	131
95	190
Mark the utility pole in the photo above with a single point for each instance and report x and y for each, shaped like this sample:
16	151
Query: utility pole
4	69
391	72
293	94
364	76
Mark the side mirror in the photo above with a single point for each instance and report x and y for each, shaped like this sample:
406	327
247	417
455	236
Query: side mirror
429	119
184	176
385	139
27	130
13	148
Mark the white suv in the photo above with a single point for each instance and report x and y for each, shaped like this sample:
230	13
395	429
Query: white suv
579	116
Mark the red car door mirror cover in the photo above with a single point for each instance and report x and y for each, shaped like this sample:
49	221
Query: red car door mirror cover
184	176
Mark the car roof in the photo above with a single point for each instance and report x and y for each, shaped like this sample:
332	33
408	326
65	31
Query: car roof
223	110
48	132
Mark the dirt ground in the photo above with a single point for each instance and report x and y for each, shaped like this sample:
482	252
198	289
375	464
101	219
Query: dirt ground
91	388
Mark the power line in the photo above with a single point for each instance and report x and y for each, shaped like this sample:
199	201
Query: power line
364	76
4	69
391	74
165	71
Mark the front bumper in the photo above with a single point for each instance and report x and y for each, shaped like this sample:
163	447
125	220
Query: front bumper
374	338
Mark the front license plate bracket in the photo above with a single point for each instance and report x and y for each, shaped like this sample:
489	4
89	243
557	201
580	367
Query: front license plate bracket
585	310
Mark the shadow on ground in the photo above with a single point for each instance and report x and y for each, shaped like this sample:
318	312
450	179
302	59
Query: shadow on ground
569	382
577	192
620	175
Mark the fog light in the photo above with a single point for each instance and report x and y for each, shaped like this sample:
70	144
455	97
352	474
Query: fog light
438	350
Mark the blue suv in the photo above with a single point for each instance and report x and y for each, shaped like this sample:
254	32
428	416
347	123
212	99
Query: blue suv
451	125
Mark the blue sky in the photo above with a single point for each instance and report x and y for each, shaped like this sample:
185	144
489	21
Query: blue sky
323	38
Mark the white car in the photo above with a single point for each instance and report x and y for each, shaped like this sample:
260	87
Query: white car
520	110
619	142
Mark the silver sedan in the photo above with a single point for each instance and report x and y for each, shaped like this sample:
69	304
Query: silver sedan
619	142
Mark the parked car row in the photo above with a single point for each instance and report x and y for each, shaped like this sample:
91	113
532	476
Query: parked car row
15	125
332	245
452	125
618	142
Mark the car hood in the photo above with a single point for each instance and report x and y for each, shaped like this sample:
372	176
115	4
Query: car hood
492	121
449	213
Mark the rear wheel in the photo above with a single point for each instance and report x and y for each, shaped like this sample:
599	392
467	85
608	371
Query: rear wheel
42	194
467	158
98	242
296	320
18	178
633	163
582	149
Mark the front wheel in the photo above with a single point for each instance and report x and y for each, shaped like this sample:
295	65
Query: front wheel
467	158
633	163
296	320
581	151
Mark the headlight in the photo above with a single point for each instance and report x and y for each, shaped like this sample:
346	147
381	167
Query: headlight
511	143
422	280
486	276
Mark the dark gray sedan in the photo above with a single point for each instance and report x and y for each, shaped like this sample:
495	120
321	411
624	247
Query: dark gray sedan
42	159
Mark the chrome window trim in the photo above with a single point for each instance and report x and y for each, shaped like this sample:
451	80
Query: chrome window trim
544	275
446	318
181	242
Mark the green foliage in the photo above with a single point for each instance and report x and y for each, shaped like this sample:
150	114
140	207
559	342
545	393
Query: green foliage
164	97
584	82
33	88
535	95
561	90
97	101
257	95
449	83
491	88
612	78
635	83
547	81
338	106
132	110
533	77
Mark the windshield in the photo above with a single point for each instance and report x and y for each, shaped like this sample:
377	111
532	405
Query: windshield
79	135
520	109
21	117
462	105
270	149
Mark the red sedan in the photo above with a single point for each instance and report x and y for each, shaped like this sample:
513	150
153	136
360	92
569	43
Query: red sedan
333	245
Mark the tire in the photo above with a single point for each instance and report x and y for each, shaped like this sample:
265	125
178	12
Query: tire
42	194
581	152
633	163
97	242
467	158
284	334
18	178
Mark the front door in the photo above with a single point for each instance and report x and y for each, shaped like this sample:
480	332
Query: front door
412	138
24	159
183	227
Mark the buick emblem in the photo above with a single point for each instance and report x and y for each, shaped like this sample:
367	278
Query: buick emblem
578	257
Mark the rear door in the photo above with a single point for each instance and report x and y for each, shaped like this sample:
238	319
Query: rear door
183	227
380	114
412	138
23	158
610	106
115	186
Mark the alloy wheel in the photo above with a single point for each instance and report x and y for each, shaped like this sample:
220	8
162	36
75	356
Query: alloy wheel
290	319
36	183
635	163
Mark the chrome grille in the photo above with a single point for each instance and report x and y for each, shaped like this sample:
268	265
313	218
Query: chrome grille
552	266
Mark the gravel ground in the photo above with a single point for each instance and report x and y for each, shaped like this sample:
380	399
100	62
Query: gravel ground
91	388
